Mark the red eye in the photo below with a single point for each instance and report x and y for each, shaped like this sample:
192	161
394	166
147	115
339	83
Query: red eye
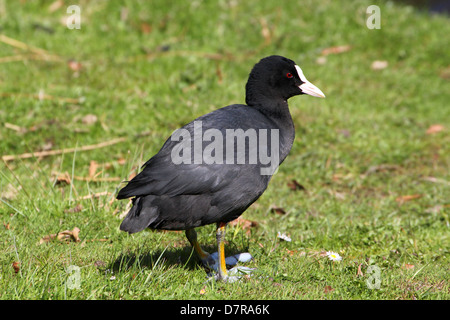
289	75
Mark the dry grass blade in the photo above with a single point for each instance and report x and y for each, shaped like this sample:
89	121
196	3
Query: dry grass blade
61	151
94	179
32	56
15	127
64	178
402	199
41	96
336	50
21	45
95	195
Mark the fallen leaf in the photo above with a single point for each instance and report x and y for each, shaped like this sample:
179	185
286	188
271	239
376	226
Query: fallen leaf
265	31
291	252
145	27
328	289
89	119
278	210
121	161
74	65
244	223
75	209
16	266
70	234
6	225
321	60
55	5
379	65
445	74
62	179
295	252
336	50
132	175
93	165
63	235
435	128
402	199
295	186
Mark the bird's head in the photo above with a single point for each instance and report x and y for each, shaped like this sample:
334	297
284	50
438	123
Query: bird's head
277	77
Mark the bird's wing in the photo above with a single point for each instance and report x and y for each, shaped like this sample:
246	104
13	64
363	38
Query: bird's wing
161	176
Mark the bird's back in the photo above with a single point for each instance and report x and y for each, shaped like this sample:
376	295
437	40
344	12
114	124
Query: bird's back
175	191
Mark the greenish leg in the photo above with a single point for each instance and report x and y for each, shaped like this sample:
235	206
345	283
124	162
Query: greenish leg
191	234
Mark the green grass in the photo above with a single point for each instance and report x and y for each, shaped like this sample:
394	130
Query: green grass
148	68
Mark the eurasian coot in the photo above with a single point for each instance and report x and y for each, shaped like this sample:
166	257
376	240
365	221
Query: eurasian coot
212	169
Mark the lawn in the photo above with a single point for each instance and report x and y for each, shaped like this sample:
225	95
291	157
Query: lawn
368	176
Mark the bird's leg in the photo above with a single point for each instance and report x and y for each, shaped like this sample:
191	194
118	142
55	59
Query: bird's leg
220	234
216	261
235	273
206	258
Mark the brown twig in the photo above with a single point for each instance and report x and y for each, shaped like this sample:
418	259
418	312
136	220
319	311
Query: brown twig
61	151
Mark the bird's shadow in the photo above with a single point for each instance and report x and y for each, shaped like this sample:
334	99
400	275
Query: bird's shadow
180	256
184	257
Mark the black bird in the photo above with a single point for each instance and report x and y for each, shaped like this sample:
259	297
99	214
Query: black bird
212	169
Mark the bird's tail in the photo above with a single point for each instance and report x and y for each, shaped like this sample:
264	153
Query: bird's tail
139	217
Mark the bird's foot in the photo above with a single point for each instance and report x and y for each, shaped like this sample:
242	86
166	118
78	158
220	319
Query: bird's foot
233	274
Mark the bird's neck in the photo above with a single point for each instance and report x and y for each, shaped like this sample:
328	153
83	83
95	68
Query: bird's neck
277	112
